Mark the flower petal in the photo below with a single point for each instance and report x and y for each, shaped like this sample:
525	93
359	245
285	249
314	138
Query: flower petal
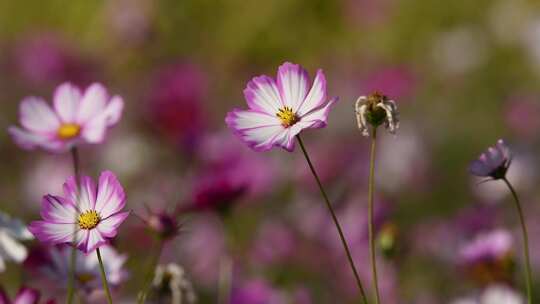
27	296
94	240
256	129
292	82
58	210
52	233
479	168
262	94
66	102
316	96
316	118
92	103
94	130
113	111
36	115
85	199
109	226
110	195
30	141
11	249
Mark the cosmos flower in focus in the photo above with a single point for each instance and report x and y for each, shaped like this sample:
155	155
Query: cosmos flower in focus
93	214
24	296
375	110
12	230
53	265
76	117
493	163
489	257
170	281
280	109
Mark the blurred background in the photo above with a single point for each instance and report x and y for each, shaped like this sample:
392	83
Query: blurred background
463	73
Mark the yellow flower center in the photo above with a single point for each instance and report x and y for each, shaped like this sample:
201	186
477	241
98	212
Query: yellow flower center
68	131
85	277
287	116
88	219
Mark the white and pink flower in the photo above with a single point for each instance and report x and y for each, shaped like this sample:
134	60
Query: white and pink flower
93	214
280	109
75	118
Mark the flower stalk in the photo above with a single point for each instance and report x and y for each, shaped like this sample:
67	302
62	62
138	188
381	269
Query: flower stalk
371	190
104	277
528	275
72	261
335	219
141	297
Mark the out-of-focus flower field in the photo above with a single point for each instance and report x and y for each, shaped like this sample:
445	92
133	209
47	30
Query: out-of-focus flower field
252	226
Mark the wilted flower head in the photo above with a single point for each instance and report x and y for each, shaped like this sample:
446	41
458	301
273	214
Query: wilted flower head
12	230
280	109
375	110
170	281
489	257
93	213
76	118
492	163
24	296
53	265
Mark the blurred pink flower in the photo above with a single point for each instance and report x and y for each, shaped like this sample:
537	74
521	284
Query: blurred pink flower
45	58
257	291
51	265
280	109
95	210
76	118
176	103
273	242
522	115
25	295
397	82
493	163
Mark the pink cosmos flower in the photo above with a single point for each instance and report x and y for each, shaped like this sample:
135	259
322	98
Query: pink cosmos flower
280	109
75	118
25	295
93	213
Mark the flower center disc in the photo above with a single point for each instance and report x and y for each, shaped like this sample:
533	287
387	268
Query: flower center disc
68	131
88	219
287	116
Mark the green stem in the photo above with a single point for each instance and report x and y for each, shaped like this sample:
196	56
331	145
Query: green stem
371	190
73	257
528	275
141	297
336	222
104	277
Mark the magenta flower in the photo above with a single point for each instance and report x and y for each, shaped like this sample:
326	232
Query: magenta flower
280	109
93	214
493	163
75	118
25	295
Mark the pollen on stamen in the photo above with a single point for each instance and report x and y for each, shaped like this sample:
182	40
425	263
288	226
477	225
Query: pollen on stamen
89	219
287	116
68	131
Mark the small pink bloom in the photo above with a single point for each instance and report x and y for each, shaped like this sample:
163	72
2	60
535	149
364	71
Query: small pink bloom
92	214
280	109
24	296
75	118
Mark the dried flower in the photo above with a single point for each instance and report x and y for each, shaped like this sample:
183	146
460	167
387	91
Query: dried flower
171	280
375	110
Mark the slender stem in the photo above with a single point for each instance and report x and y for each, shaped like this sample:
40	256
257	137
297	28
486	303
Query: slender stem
371	190
336	222
141	297
225	279
73	257
528	275
104	277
